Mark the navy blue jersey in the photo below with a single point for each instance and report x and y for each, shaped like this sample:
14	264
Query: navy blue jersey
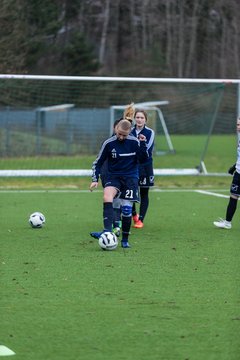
123	157
149	134
146	176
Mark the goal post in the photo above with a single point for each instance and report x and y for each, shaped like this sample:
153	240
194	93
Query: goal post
202	167
48	123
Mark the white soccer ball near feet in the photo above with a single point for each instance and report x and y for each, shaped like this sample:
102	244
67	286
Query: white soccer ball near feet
108	241
36	220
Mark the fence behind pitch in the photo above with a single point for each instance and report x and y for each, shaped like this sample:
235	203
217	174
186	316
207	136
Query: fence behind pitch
195	107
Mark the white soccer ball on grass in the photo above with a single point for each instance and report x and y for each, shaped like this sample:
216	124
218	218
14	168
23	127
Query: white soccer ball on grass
108	241
36	220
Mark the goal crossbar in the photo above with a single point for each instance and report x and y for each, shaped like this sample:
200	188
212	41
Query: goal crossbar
56	107
121	79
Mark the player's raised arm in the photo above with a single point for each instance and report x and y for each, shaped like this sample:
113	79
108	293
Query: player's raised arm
142	153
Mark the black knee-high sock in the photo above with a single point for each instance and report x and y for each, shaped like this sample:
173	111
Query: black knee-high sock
144	203
232	206
107	216
116	217
126	225
134	212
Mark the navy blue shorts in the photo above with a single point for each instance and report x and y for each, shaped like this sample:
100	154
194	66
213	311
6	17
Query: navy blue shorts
104	172
235	186
127	187
146	177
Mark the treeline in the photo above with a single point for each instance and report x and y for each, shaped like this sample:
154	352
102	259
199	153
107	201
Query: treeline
162	38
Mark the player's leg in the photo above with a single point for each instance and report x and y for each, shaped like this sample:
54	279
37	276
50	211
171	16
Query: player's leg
144	202
126	221
135	215
232	207
108	195
117	218
232	204
129	194
145	182
144	194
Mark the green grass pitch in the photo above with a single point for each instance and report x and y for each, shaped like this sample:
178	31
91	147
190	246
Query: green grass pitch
173	296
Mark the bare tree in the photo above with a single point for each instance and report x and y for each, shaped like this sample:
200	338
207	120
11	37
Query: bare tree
191	54
181	39
236	45
103	41
169	42
144	14
112	47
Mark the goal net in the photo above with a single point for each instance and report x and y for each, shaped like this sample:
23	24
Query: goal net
53	122
49	124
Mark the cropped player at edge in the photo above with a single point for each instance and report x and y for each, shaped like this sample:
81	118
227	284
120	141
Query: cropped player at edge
234	189
124	153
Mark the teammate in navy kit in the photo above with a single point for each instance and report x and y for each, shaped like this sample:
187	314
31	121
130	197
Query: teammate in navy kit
234	190
146	176
124	153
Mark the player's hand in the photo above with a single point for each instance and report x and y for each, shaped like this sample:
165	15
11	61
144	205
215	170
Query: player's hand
232	169
93	185
141	137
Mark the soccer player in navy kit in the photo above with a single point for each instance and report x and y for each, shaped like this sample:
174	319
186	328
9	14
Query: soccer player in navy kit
128	114
234	190
124	153
146	176
117	222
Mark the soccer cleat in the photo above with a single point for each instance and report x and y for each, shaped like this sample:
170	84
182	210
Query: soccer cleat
96	234
116	231
125	244
223	224
138	225
117	224
135	218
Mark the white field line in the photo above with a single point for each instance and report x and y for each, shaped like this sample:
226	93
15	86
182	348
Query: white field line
213	192
204	192
46	191
185	190
5	351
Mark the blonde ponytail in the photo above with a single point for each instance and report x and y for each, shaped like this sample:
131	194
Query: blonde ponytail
129	112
